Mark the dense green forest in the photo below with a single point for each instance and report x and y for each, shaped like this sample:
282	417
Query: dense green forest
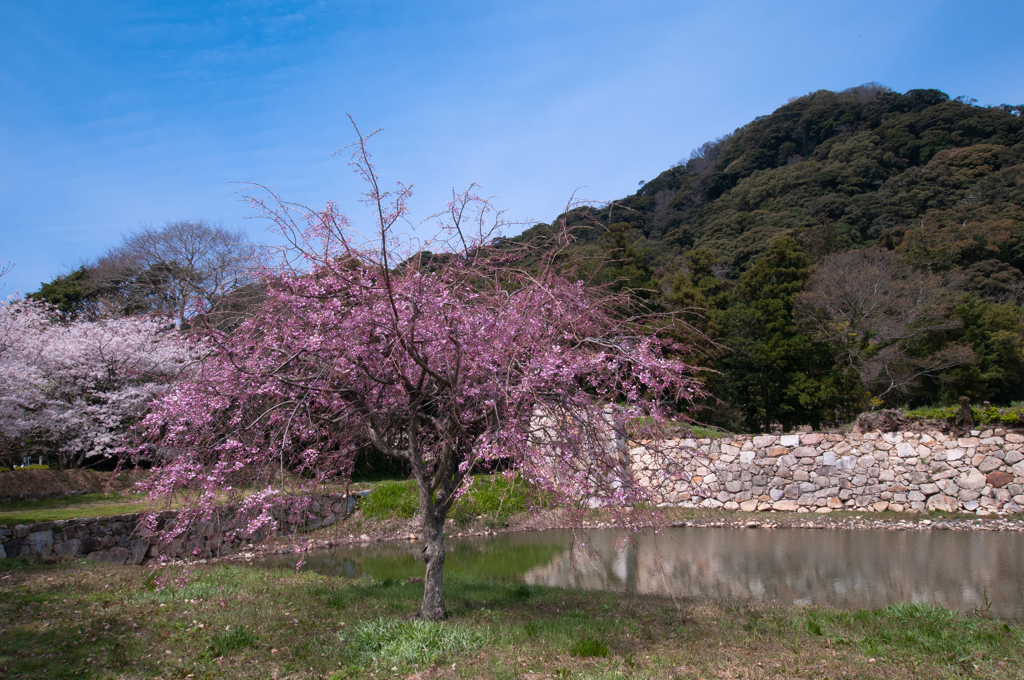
848	251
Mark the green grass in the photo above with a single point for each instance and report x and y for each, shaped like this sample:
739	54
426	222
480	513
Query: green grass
491	498
90	505
391	642
589	647
232	640
915	631
983	415
86	505
707	432
391	500
27	467
88	620
494	498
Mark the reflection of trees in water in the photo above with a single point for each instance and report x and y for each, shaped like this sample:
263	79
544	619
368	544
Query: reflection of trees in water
500	558
840	568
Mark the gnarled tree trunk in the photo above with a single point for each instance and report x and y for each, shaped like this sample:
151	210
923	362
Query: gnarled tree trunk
432	608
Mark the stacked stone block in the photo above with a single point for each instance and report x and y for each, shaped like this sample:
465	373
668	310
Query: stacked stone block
981	473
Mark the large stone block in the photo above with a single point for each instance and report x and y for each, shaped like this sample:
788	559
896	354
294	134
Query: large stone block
112	556
847	463
943	503
68	548
764	440
906	450
139	548
998	480
785	506
989	463
40	543
75	531
790	440
812	439
972	479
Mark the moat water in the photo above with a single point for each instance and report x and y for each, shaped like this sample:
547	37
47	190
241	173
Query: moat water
965	570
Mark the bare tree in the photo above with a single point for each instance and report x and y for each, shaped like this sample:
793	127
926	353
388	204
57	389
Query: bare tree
877	311
702	160
183	269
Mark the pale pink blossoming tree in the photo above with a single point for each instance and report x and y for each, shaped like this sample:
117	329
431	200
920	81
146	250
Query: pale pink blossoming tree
75	388
450	355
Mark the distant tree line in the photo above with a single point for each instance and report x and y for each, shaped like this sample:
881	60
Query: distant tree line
850	250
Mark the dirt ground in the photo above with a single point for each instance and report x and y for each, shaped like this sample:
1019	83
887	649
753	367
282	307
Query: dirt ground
52	483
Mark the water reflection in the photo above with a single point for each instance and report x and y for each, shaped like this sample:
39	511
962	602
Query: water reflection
502	558
841	568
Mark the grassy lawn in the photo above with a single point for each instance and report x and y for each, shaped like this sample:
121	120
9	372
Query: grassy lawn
86	505
85	620
94	505
491	498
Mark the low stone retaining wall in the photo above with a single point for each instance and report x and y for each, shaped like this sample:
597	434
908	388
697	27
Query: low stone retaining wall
901	471
117	539
916	471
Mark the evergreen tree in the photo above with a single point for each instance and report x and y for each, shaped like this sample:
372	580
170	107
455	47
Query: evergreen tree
771	372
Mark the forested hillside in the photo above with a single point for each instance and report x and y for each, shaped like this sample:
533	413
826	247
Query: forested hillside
849	250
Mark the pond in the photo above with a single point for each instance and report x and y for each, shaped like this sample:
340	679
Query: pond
965	570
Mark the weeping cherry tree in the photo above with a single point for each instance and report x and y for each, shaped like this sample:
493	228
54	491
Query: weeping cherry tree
449	354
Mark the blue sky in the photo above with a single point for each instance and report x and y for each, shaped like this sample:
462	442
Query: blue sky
116	114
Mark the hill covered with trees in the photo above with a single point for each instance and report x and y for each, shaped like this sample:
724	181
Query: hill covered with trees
849	250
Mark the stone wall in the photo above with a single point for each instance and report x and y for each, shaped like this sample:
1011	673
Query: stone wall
901	471
117	539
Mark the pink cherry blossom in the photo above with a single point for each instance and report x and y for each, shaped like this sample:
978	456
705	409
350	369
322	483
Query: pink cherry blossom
450	354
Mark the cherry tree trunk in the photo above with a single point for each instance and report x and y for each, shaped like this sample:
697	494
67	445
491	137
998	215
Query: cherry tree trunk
432	608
